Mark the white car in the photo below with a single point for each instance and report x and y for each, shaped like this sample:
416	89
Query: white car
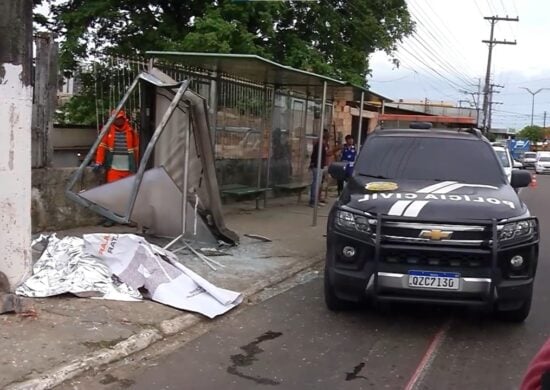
505	159
529	159
543	164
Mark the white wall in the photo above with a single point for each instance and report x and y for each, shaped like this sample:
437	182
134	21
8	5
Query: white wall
15	174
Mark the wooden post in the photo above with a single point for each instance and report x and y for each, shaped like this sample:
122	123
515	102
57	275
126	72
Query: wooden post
15	139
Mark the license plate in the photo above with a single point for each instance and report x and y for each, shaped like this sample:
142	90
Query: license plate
434	280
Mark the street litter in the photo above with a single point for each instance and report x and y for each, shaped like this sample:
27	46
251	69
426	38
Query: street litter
258	237
213	252
208	261
141	264
64	267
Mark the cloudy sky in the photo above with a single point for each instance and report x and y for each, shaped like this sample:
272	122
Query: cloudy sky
446	55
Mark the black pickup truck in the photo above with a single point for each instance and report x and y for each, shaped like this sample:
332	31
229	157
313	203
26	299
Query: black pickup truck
429	216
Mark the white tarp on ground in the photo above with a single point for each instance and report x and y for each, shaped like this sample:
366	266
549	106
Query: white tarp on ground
115	266
141	264
63	268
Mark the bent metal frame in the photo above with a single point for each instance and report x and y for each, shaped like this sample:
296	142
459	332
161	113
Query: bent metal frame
181	88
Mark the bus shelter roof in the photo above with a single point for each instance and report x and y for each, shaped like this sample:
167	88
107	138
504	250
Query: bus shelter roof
261	70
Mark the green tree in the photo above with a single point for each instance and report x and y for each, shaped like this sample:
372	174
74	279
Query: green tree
532	133
332	37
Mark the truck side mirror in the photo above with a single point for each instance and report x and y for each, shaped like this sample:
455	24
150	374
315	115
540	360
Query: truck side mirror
338	170
520	179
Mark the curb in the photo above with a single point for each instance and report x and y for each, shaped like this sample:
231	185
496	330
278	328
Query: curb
58	375
144	339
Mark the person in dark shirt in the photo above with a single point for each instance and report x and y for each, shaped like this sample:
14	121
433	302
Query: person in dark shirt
313	167
348	155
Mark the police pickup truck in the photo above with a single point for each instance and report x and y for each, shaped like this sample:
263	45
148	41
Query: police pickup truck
429	216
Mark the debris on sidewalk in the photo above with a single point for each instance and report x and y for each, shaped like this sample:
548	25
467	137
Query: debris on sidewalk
11	303
64	268
206	260
116	266
258	237
141	264
213	252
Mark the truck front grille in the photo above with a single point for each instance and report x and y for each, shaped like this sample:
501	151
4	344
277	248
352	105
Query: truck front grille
411	232
457	260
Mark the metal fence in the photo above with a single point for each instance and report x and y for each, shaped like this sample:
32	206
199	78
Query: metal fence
261	137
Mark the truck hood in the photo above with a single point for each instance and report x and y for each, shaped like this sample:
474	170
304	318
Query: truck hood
433	200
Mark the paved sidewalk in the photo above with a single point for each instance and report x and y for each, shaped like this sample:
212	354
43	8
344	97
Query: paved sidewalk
69	335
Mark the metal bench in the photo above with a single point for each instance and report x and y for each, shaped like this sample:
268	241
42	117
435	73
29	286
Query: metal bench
293	187
239	191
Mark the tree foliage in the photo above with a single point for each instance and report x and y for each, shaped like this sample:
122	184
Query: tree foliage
332	37
532	133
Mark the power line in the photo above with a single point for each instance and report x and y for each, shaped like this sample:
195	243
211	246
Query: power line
435	71
458	54
515	8
479	9
506	13
429	83
490	7
402	47
443	64
390	81
515	113
530	81
428	47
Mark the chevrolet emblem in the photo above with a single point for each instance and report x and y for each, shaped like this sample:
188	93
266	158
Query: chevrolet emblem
435	235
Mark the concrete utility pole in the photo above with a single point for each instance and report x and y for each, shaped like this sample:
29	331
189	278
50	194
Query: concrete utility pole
476	99
15	138
491	103
492	42
544	122
533	100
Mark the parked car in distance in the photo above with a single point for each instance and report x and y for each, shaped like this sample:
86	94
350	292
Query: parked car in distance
543	162
517	164
529	159
505	159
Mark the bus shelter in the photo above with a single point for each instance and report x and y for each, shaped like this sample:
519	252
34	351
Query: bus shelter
265	117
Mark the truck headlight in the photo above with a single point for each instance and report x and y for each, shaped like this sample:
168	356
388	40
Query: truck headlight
517	230
353	222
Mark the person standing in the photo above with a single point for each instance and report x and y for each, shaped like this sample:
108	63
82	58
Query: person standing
118	153
118	150
349	153
314	171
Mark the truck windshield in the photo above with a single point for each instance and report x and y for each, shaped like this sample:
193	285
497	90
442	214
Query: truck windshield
530	155
426	158
503	157
545	159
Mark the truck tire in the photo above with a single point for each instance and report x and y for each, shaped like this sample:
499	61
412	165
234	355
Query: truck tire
517	315
332	302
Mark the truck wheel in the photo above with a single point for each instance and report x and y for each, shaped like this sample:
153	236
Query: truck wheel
517	315
331	300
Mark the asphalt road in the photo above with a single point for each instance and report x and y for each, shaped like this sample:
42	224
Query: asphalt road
293	342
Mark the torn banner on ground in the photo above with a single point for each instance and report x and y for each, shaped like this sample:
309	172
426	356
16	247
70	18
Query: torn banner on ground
141	264
64	268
